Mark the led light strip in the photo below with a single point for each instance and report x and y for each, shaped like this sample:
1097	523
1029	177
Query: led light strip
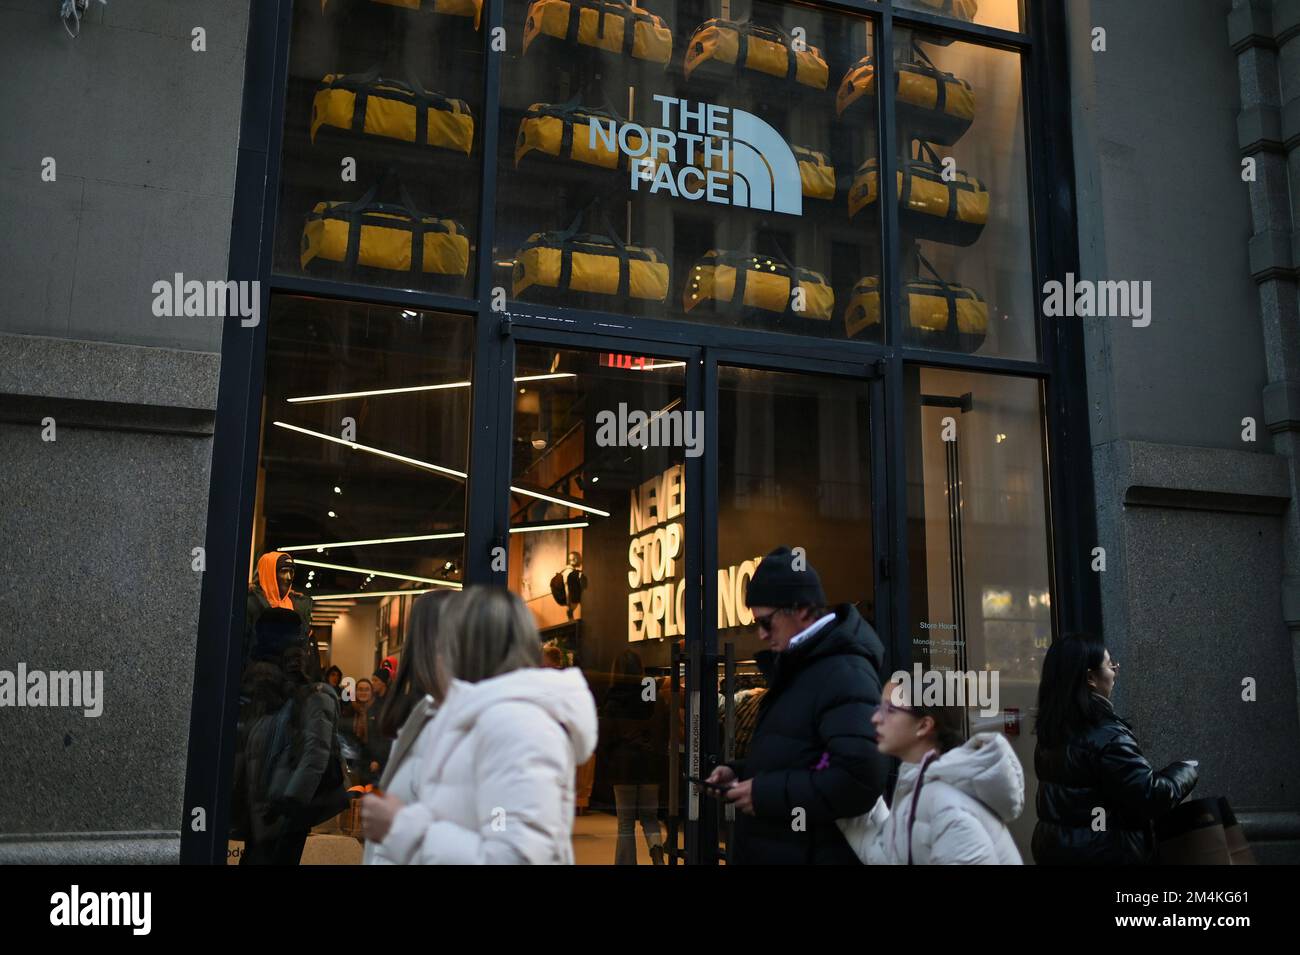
451	472
379	573
310	399
521	529
388	593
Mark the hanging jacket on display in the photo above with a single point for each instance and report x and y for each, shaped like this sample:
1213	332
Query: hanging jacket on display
608	25
931	105
600	263
370	104
936	314
952	211
725	48
750	286
384	236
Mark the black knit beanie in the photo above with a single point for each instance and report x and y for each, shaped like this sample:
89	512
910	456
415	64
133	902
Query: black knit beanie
777	584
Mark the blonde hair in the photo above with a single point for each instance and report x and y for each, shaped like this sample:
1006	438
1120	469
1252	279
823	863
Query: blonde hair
484	632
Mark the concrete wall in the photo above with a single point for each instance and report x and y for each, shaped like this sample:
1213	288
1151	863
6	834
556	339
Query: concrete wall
1192	517
98	525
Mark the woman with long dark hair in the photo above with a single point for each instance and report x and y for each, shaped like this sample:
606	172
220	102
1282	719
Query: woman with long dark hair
411	702
1098	797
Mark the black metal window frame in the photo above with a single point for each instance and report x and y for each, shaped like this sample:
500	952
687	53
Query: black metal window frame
1059	369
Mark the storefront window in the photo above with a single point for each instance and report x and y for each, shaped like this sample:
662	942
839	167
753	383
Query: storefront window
380	180
1003	14
794	470
684	161
361	482
598	552
978	544
964	223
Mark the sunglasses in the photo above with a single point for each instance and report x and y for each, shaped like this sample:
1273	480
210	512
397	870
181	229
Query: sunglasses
765	623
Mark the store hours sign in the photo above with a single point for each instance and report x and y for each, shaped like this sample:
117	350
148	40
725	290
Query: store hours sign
656	606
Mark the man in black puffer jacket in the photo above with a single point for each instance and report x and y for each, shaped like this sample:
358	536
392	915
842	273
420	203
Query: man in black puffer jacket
813	755
1102	769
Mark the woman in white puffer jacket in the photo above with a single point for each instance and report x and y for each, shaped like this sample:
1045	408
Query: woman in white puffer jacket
952	801
491	768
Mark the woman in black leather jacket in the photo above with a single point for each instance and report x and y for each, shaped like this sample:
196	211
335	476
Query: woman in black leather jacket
1097	794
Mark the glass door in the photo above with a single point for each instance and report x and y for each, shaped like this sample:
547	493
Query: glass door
601	446
795	464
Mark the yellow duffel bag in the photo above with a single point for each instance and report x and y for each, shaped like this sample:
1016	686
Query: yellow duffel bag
601	25
936	314
930	207
563	131
931	105
723	48
373	105
815	173
450	8
557	266
758	289
384	236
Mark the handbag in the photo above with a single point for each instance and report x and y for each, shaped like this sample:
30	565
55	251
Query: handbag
757	287
1201	832
936	313
931	207
564	131
384	236
600	25
722	48
374	105
932	105
569	262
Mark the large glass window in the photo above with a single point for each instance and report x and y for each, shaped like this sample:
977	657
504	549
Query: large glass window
380	182
361	493
963	189
688	161
598	552
1003	14
978	545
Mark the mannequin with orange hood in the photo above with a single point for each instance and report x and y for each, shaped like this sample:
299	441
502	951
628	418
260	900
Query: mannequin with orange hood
272	589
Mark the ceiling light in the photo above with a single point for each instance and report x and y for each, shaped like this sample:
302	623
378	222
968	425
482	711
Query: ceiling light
332	514
450	472
396	593
337	489
556	526
376	392
539	440
377	540
375	573
595	478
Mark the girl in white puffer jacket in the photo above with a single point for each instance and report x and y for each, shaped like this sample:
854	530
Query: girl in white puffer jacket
953	800
488	770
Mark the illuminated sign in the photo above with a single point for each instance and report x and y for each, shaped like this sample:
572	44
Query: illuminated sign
656	606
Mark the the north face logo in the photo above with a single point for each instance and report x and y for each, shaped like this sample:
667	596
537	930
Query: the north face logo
708	152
